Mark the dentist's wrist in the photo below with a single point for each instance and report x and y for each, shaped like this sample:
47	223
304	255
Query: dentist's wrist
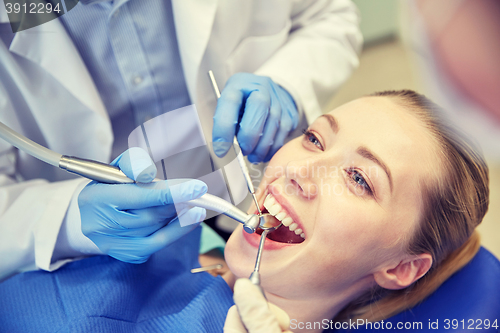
71	242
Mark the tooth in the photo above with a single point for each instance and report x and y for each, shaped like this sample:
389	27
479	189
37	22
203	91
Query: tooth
298	231
281	215
303	235
266	202
272	206
269	200
287	221
274	209
293	226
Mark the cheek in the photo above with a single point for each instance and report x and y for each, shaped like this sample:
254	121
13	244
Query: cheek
353	234
277	166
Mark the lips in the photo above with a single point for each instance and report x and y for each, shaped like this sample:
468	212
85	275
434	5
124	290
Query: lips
290	233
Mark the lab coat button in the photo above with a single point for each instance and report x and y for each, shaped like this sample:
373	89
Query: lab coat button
115	14
137	80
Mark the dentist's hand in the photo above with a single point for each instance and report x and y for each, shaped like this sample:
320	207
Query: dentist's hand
267	112
132	221
252	313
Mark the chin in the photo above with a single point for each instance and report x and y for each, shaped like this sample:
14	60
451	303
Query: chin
240	258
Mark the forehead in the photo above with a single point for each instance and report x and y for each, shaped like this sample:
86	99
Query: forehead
395	135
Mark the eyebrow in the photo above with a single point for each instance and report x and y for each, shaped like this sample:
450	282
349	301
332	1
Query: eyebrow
366	153
333	122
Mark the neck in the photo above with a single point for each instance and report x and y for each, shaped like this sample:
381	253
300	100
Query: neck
315	314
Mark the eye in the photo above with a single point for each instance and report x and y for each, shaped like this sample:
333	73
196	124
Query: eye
357	180
311	138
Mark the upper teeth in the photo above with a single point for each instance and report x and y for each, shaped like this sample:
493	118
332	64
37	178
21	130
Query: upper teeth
275	209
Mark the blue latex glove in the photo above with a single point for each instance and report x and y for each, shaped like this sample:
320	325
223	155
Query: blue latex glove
132	221
268	113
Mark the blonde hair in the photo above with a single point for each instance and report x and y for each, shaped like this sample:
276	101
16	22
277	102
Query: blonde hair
454	205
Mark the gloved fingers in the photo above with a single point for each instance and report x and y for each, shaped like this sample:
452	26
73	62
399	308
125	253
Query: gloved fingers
119	247
134	196
171	232
146	217
281	316
126	250
190	215
136	164
136	250
233	322
279	140
288	106
253	308
226	119
268	135
254	119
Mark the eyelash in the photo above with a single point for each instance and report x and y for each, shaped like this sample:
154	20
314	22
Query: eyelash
310	135
353	172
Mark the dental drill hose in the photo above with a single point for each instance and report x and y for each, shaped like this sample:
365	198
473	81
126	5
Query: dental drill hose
28	146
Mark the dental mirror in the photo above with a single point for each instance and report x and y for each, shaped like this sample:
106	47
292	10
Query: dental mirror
269	222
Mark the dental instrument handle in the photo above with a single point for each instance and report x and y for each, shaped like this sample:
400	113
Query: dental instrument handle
94	170
255	276
255	279
214	83
239	155
246	173
261	248
32	148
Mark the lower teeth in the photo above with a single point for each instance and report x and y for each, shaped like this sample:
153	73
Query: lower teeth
284	235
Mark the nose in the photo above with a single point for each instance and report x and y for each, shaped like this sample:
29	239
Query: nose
302	177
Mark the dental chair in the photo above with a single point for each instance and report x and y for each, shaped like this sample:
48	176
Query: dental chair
462	304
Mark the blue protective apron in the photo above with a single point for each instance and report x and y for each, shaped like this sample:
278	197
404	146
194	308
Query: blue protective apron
101	294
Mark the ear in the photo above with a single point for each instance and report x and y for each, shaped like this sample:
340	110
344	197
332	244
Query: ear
405	273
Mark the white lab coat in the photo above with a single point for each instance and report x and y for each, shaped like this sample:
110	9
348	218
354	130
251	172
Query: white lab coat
46	93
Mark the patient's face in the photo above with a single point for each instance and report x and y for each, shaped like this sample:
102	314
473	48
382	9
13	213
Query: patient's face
352	184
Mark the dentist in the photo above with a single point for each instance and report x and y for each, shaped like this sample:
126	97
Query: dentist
79	84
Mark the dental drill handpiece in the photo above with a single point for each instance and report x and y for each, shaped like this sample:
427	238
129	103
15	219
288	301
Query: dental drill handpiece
239	156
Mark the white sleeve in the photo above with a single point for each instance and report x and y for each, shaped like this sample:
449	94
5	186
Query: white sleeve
320	54
31	214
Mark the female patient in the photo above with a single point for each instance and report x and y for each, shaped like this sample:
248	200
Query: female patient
376	196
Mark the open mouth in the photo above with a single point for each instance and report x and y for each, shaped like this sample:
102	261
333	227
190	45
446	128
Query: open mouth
289	232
